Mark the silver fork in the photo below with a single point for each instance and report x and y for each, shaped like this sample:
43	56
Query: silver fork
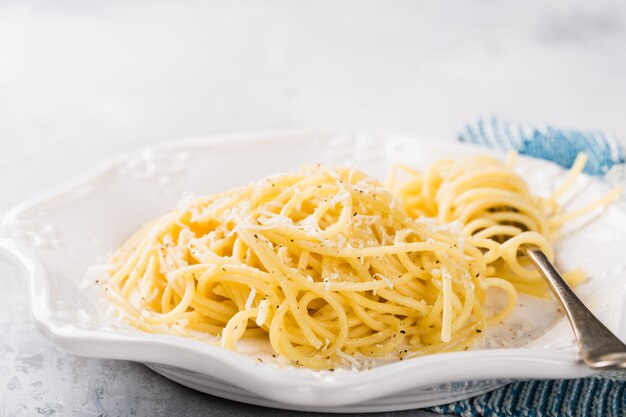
599	348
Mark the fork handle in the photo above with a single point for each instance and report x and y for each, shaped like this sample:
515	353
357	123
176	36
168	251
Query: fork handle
599	347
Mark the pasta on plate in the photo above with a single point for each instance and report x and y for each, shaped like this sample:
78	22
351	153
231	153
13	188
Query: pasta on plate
331	265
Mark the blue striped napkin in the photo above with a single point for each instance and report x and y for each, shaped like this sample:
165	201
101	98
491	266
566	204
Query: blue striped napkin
595	396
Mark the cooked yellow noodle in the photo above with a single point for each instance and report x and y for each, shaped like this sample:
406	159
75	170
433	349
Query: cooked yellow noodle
495	208
329	265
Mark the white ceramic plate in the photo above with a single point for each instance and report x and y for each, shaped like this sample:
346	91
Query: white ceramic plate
56	238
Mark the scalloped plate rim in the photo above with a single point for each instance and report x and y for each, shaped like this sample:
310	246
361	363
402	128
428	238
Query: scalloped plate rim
555	364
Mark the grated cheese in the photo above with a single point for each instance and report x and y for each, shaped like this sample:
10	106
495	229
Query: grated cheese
264	306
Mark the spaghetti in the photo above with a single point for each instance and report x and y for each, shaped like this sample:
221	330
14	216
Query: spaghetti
497	210
329	265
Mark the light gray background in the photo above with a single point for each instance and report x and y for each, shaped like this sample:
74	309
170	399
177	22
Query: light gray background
83	80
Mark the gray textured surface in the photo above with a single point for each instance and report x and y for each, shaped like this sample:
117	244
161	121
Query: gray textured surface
82	80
